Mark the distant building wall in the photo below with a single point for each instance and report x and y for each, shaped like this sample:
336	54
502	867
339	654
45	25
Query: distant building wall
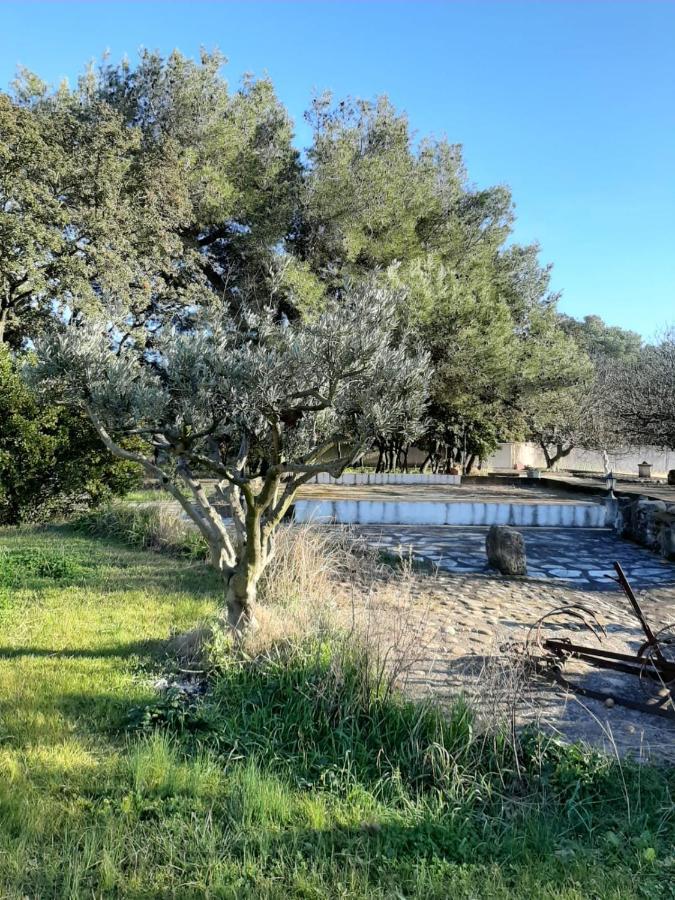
518	455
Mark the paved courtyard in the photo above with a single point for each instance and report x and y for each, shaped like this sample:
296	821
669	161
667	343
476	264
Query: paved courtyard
578	557
465	626
449	493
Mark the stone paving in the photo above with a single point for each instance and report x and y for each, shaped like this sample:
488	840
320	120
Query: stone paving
655	490
448	493
580	558
463	634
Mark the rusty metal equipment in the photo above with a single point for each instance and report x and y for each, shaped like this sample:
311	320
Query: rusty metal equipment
653	664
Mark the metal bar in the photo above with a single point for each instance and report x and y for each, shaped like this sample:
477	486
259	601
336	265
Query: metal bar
639	671
664	666
628	590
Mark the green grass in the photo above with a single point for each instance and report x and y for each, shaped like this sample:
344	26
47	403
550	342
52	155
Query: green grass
144	528
295	777
147	495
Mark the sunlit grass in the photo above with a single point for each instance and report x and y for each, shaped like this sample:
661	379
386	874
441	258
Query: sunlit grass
287	792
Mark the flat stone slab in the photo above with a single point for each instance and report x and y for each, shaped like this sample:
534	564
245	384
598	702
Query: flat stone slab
579	557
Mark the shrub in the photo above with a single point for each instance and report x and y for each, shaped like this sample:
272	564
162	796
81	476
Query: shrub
51	459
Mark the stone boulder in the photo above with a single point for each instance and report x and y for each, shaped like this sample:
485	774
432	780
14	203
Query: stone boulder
666	525
505	548
645	523
648	522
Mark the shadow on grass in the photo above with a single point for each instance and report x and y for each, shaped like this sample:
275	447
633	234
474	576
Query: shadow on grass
152	647
111	565
95	713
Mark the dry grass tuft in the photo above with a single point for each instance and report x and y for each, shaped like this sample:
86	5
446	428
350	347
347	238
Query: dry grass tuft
321	581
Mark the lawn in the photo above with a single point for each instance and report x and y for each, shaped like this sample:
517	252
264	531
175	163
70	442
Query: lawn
290	779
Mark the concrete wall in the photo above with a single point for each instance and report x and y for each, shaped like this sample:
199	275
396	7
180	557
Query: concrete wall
527	515
385	478
625	462
512	455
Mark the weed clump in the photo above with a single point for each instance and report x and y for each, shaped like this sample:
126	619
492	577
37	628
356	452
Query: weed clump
156	527
21	566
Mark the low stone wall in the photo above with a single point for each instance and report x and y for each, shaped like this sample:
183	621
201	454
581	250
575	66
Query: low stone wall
525	515
385	478
648	522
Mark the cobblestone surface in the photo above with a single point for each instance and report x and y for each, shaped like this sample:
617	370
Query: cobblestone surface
467	629
579	557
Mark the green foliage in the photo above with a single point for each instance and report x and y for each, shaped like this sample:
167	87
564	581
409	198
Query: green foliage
498	352
173	710
17	567
181	192
137	190
87	214
602	341
51	460
577	415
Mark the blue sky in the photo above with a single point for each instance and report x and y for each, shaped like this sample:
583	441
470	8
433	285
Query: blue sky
572	104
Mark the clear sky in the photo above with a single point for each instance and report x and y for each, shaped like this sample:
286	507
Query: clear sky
572	104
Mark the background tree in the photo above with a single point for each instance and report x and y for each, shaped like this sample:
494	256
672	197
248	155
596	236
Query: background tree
85	214
601	341
140	188
640	394
130	195
262	405
373	199
149	192
578	415
51	458
237	164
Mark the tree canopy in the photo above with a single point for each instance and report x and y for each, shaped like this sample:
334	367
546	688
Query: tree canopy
641	395
259	404
149	192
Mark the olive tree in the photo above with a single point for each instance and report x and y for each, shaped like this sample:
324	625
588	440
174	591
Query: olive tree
251	400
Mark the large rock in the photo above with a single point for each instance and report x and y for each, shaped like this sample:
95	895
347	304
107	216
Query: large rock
648	522
645	524
671	476
666	525
505	548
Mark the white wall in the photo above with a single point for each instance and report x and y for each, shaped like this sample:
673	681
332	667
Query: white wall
376	512
386	478
626	462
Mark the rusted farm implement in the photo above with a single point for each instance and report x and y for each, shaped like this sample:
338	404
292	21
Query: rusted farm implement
653	664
